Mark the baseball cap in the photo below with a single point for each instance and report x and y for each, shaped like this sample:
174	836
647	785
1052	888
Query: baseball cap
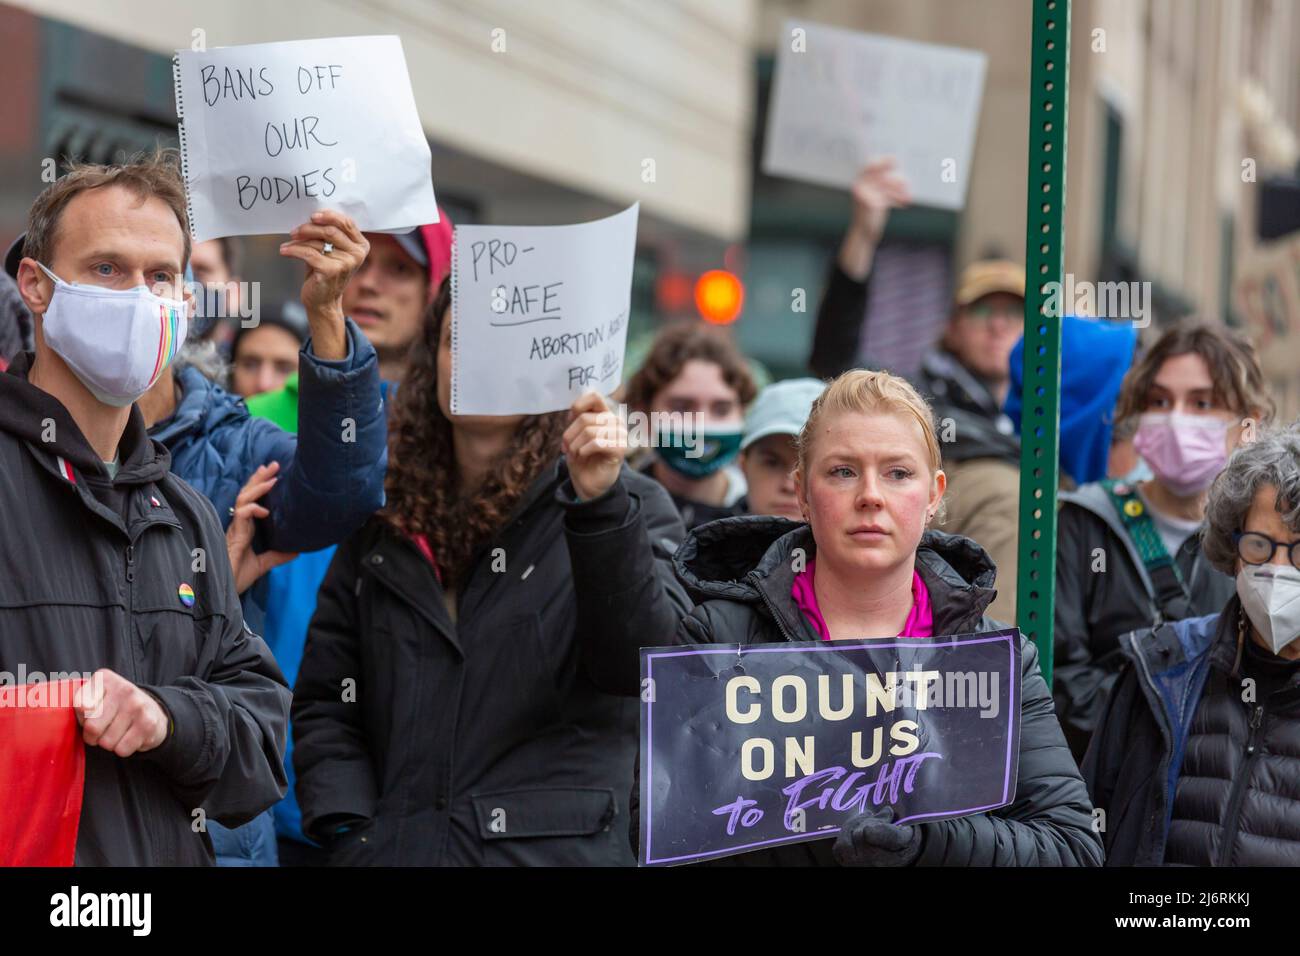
988	276
780	409
412	244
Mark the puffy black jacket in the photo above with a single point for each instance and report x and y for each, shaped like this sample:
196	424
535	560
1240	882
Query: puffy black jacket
740	570
90	577
1094	607
1191	764
508	737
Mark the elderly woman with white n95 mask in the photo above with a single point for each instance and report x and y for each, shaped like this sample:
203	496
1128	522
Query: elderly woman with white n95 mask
1196	760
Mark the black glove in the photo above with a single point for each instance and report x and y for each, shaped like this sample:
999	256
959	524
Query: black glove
872	839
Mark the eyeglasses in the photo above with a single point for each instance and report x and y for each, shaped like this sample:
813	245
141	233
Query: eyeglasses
982	312
1256	548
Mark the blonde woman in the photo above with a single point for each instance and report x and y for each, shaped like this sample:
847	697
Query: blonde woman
869	486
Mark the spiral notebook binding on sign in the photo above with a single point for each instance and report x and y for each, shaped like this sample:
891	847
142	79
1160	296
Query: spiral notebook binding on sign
455	318
184	143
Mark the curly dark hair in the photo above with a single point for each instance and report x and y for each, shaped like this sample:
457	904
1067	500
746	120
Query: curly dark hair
674	346
422	487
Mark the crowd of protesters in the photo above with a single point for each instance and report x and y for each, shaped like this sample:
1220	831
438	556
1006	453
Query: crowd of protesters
346	626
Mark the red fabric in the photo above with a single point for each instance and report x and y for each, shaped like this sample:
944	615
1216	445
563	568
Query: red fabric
422	542
437	242
919	623
42	774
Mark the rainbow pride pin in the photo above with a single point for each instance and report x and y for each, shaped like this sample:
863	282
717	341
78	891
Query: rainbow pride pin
186	594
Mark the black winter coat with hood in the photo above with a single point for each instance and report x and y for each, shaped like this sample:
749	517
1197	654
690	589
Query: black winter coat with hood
740	573
90	577
509	736
1196	760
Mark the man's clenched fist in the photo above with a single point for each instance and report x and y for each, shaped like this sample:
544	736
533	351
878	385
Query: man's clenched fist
116	715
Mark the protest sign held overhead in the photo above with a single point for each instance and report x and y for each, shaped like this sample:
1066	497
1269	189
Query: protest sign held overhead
539	313
272	132
842	98
749	746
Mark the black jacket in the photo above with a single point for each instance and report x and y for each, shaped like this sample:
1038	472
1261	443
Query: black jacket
978	429
1191	764
695	513
740	570
508	737
90	572
1094	608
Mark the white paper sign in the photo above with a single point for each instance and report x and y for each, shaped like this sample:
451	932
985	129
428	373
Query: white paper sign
539	314
846	98
272	132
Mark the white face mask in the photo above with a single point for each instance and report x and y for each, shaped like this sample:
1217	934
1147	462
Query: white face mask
1270	594
117	341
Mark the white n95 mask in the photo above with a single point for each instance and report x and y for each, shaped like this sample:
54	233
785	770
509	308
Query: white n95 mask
1270	594
117	341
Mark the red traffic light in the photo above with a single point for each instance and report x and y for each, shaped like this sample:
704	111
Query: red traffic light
719	296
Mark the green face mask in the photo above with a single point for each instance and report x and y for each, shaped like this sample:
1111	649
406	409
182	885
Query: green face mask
710	451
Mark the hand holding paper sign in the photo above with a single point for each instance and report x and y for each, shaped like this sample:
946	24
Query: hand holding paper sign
118	716
333	248
595	444
878	189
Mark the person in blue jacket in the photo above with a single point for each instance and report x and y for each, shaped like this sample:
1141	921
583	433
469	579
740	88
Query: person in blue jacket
330	474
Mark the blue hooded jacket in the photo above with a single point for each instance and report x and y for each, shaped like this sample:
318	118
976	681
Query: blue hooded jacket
1095	354
331	474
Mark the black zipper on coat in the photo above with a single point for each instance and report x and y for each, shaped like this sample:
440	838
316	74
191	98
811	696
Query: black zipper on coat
776	618
130	610
164	848
1242	780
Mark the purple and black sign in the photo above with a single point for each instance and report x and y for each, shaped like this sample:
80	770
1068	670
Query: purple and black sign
750	746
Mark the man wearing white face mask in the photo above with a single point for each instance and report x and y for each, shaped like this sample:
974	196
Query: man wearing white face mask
110	565
1128	554
1199	745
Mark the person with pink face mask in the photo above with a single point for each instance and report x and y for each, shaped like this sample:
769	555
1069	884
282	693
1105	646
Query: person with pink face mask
1128	553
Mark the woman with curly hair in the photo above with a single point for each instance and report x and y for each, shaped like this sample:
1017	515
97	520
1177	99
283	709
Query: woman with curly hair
468	691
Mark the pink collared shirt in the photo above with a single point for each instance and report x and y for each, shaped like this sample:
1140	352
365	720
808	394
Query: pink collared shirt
919	623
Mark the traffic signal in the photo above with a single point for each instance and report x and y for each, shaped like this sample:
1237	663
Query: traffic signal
719	296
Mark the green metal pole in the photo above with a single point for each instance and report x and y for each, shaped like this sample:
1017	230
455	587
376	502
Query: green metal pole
1044	265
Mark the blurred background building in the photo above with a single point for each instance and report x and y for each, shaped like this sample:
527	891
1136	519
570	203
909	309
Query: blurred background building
536	113
1181	169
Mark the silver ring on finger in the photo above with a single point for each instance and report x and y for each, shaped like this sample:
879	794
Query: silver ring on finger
329	247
